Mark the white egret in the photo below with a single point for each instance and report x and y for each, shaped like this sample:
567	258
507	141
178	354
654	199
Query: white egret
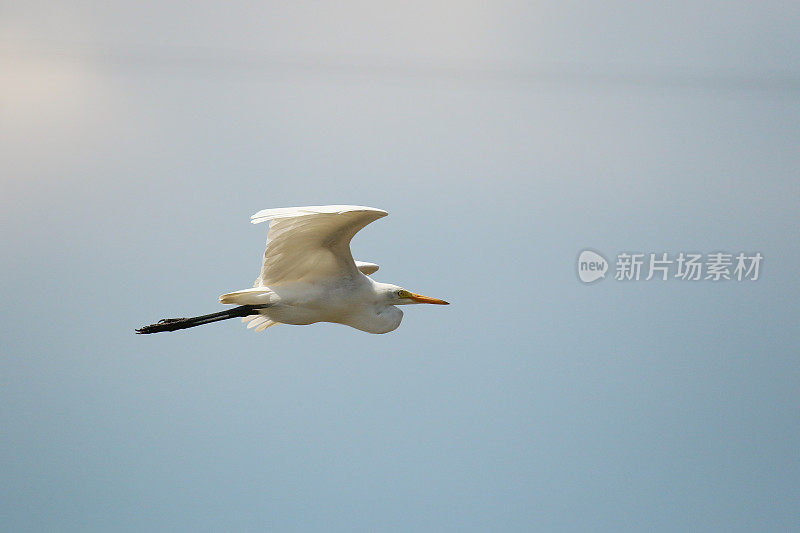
309	275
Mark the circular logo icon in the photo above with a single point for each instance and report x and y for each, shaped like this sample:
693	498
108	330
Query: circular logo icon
591	266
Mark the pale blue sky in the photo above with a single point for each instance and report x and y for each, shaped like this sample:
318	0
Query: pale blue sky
136	140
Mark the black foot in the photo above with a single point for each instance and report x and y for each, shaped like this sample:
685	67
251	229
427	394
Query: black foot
159	326
170	320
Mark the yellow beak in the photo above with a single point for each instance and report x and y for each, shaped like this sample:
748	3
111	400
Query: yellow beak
427	299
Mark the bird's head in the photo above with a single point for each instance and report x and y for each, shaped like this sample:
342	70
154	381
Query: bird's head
400	296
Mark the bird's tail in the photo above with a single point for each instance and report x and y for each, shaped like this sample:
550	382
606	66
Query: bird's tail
172	324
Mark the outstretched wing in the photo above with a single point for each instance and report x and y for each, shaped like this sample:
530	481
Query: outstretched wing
311	243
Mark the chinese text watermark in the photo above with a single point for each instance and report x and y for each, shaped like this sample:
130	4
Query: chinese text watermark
661	266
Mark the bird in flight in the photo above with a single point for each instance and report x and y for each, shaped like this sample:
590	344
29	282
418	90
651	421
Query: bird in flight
309	275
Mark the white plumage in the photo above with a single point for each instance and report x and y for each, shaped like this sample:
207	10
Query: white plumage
308	274
311	242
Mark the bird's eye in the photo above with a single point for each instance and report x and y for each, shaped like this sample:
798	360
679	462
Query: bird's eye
403	294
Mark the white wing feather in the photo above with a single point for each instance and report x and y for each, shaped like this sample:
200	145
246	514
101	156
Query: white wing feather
259	322
366	268
311	243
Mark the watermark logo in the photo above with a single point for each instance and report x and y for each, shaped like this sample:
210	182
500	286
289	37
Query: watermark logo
683	266
591	266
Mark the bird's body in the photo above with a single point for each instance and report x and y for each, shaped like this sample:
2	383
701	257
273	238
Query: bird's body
355	302
308	275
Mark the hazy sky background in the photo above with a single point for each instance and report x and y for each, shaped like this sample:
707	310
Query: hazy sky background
503	138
